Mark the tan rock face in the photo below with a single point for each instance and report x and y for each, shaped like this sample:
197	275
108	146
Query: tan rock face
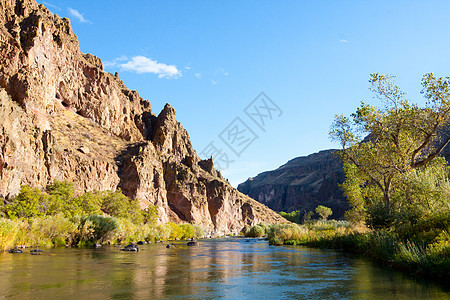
63	117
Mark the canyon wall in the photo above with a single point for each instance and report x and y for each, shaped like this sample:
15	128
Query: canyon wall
62	117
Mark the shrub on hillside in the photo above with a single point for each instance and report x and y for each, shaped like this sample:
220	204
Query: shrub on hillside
118	205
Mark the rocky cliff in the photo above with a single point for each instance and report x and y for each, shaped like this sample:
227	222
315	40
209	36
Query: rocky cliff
302	184
63	118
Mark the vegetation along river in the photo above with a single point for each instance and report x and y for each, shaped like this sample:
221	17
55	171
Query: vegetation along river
232	268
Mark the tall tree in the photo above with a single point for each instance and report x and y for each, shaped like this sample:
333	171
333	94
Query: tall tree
382	144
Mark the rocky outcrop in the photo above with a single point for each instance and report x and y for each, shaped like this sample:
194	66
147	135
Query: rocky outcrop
302	184
62	117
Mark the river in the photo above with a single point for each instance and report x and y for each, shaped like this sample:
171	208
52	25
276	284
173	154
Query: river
233	268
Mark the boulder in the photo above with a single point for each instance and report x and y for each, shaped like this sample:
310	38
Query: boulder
130	247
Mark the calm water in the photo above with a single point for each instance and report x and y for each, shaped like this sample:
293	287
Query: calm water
228	268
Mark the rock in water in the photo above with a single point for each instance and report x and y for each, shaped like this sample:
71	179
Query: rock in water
114	139
130	247
15	251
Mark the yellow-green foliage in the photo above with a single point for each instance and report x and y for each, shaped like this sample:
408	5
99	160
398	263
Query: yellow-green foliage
323	211
51	230
56	217
198	231
176	232
256	231
415	256
59	198
127	231
90	203
278	234
28	203
118	205
8	232
165	231
188	231
294	216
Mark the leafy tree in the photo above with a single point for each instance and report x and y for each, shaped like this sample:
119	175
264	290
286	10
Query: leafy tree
293	216
61	199
3	208
400	138
64	189
308	216
323	211
150	214
176	231
188	231
90	203
118	205
27	204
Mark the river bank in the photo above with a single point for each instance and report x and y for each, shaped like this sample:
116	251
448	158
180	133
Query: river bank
414	257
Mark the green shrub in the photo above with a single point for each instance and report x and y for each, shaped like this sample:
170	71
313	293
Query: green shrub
51	231
150	214
27	204
280	233
324	212
294	216
8	233
176	232
164	231
188	231
3	208
118	205
128	232
256	232
97	228
199	232
90	203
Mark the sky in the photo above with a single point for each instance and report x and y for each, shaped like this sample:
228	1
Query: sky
257	83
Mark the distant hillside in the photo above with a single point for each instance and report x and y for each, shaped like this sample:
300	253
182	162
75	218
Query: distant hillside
301	184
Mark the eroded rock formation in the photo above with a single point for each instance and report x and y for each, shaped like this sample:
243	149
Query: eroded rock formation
63	118
302	184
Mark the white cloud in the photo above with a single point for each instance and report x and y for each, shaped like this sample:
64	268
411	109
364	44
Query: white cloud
115	61
222	71
49	5
187	67
198	75
142	64
75	13
343	41
213	82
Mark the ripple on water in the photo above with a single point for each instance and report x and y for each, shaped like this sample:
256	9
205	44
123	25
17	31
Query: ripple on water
230	269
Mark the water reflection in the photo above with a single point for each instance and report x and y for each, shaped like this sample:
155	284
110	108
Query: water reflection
231	268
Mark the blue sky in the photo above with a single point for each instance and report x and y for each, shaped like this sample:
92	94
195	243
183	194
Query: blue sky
210	59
